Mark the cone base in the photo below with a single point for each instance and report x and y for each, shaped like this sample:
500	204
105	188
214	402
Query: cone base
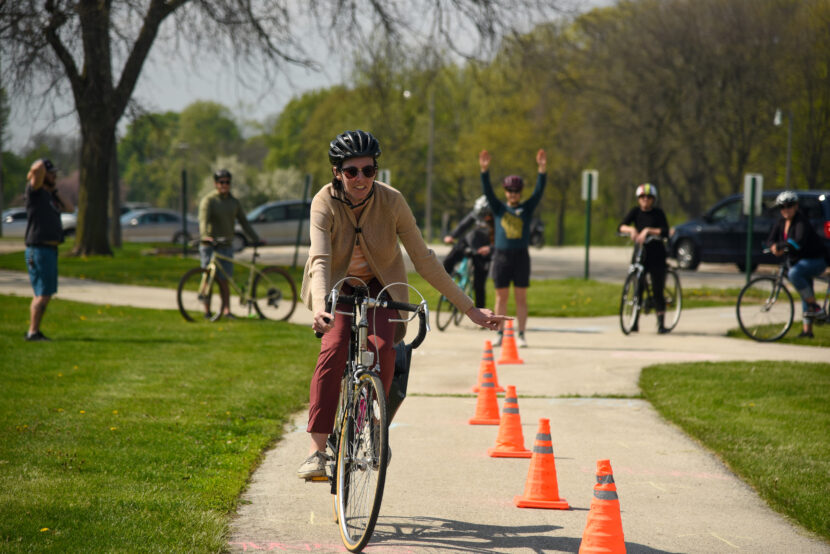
498	388
483	421
496	453
508	362
560	504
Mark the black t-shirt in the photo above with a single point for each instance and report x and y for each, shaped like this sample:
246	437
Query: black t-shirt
43	212
655	251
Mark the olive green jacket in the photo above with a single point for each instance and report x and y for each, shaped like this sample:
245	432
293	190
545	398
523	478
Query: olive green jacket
217	216
386	218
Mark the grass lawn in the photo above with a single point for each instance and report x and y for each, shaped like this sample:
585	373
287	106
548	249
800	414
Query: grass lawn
768	421
133	431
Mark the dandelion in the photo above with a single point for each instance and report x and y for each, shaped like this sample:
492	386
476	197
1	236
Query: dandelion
60	410
44	529
60	374
83	411
227	413
113	428
83	318
74	367
115	412
100	312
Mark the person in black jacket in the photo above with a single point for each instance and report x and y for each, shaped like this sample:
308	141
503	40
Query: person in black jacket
44	232
793	235
474	232
641	222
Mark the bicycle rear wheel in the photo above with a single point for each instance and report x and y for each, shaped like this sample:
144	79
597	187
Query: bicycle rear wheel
765	309
361	463
629	303
458	316
198	296
674	300
444	313
274	294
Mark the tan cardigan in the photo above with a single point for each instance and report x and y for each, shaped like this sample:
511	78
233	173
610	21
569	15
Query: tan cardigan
386	218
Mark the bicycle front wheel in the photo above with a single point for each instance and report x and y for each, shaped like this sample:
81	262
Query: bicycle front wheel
765	309
198	296
361	463
444	313
274	294
674	300
629	303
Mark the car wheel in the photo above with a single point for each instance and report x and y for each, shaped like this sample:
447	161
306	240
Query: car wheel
687	254
239	242
742	267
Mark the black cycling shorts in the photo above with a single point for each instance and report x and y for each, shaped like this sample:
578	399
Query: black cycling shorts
511	266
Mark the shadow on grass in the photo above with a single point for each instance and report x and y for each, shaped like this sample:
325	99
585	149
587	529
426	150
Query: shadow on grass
449	535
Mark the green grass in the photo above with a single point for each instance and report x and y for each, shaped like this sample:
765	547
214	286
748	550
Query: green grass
134	431
768	421
162	265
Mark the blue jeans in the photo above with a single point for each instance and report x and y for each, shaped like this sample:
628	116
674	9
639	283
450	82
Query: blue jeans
206	251
801	276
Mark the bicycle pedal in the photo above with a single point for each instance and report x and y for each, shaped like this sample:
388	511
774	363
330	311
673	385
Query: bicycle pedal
320	479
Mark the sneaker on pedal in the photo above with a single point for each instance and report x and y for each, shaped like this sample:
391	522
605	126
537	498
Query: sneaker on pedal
815	311
499	336
314	466
520	341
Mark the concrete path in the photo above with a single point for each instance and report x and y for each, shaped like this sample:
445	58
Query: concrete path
444	494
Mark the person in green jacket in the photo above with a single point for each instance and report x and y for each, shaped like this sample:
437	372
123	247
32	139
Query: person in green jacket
217	213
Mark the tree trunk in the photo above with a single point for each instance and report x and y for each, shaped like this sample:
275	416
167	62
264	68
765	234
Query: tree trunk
97	139
115	201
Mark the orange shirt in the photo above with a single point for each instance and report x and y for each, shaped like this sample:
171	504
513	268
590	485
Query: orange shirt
359	266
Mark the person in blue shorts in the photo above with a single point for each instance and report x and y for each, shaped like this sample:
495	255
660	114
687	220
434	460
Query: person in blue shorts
44	232
511	258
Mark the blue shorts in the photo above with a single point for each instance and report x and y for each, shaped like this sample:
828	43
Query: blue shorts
42	262
206	251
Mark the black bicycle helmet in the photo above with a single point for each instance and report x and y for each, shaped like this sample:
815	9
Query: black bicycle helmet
353	144
222	174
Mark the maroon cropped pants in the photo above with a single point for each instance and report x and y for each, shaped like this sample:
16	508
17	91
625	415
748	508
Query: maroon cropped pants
331	363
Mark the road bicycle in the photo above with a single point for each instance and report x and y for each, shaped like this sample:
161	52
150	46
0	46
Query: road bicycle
765	306
359	444
638	292
267	293
445	311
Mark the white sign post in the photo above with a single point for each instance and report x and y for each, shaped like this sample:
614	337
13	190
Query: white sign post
385	176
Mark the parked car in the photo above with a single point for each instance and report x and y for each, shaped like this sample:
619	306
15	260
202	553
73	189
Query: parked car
276	223
157	225
719	235
14	223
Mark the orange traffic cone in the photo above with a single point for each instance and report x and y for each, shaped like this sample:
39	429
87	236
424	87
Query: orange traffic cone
487	364
509	354
510	442
603	532
541	488
487	406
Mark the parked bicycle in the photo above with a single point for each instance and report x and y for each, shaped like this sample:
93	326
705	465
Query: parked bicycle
445	311
765	306
268	292
638	293
359	444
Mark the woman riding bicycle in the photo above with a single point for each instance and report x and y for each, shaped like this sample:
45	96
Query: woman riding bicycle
793	235
355	226
641	222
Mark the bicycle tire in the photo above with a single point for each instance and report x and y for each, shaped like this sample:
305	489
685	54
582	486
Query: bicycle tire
361	463
674	300
192	302
763	304
629	303
274	294
444	313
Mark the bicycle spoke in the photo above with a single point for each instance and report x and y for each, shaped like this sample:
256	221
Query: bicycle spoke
765	309
274	294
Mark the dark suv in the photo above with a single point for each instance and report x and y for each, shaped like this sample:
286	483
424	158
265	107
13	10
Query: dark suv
719	235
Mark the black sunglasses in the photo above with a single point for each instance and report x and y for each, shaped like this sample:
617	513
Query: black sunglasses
367	170
224	182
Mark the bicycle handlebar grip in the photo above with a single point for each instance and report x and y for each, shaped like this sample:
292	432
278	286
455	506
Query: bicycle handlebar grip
318	334
422	331
392	305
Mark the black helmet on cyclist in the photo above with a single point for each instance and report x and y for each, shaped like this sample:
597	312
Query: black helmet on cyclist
353	144
513	183
646	189
222	174
481	208
786	199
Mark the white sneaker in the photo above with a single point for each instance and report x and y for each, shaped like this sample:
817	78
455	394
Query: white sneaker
314	466
520	341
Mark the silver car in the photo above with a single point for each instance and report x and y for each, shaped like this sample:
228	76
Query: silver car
157	225
277	223
14	223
